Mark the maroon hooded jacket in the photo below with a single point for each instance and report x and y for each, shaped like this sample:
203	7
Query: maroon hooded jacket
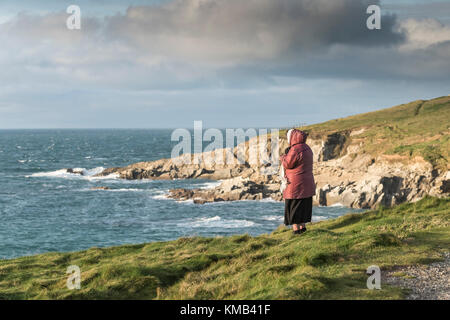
298	165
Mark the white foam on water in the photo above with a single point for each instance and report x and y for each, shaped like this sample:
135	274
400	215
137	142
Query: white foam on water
337	205
272	218
319	218
112	176
92	172
162	195
269	200
89	174
117	190
210	185
189	201
218	222
53	174
221	203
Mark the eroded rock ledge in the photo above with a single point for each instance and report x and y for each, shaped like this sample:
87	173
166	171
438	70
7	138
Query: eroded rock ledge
343	174
231	190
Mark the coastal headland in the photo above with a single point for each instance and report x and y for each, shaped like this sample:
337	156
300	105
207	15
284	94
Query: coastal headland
385	157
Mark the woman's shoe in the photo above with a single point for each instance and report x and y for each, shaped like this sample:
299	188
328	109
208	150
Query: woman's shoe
297	231
302	230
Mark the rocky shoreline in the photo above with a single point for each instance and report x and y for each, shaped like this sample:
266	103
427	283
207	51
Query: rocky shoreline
344	175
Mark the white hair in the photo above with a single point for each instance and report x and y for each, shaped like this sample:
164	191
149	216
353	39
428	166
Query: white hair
289	133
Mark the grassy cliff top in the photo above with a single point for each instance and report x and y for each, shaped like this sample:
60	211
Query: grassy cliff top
420	128
329	261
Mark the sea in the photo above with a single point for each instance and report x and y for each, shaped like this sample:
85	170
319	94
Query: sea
45	209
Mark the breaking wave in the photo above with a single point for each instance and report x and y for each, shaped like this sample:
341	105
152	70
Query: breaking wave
218	222
80	173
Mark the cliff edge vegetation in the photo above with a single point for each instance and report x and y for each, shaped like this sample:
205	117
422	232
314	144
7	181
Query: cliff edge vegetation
419	128
329	261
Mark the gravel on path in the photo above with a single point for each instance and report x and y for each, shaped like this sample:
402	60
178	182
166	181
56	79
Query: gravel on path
426	282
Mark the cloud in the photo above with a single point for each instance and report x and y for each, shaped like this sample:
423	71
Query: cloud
421	9
186	44
235	31
424	33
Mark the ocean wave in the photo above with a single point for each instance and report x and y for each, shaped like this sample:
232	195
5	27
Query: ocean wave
221	203
162	195
89	174
280	218
128	190
58	174
272	218
93	172
218	222
209	185
117	190
268	200
337	205
189	201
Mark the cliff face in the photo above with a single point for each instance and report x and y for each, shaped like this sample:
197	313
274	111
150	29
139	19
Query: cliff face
359	162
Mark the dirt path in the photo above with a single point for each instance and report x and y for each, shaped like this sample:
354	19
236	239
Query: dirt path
428	282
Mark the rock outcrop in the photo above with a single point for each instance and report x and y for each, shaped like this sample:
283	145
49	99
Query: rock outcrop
344	175
231	190
75	171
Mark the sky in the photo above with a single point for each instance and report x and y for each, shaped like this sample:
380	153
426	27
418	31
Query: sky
228	63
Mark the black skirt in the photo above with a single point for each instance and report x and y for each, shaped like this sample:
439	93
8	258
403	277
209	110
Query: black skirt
297	211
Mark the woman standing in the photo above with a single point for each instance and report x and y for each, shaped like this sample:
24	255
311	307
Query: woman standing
300	186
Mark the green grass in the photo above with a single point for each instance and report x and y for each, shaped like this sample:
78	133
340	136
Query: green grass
420	128
328	262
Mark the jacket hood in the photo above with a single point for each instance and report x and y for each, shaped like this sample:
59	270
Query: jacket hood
297	137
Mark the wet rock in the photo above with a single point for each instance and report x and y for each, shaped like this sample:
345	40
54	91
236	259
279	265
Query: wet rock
109	171
100	188
75	171
229	190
